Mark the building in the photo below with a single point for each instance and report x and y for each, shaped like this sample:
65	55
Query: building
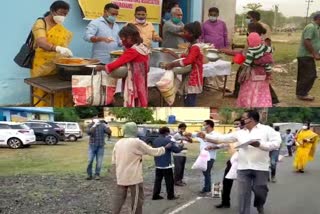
21	114
13	90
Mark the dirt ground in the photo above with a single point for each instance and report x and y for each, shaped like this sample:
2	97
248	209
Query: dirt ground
47	187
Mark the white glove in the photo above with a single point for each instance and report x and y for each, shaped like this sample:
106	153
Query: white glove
64	51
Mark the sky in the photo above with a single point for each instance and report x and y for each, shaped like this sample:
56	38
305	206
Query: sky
286	7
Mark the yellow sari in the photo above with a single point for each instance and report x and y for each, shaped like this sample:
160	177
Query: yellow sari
43	64
305	150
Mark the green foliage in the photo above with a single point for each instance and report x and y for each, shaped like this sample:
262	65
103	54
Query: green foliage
298	115
137	115
89	112
229	114
253	6
159	122
66	114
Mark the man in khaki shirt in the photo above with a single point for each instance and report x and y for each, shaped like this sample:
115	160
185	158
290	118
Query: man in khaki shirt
127	160
147	31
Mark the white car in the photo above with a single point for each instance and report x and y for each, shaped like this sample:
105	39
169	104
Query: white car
16	135
72	130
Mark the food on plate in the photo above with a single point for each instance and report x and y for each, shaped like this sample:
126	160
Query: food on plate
71	61
118	53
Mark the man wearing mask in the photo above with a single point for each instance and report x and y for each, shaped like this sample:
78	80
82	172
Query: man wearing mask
208	129
289	140
103	33
255	142
254	17
214	31
96	131
180	158
164	165
146	29
309	52
173	29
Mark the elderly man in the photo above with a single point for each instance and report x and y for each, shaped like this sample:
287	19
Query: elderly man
214	31
147	31
173	29
308	53
255	142
127	160
103	33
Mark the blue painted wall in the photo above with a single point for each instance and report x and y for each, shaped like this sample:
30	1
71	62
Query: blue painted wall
17	18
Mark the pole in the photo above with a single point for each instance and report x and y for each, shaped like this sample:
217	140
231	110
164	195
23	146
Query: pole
308	8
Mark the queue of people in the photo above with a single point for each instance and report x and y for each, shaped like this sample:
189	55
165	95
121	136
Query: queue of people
136	39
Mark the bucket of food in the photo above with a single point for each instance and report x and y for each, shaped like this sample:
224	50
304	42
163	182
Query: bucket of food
119	73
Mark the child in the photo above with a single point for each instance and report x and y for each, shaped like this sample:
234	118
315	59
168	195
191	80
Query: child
136	57
194	57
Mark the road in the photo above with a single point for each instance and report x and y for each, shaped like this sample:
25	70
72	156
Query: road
292	194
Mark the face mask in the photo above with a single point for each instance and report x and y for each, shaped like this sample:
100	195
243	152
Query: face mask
176	20
126	44
248	21
141	21
304	127
238	128
96	120
111	19
213	18
59	19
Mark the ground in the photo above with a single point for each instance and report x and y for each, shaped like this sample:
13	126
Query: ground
51	179
284	78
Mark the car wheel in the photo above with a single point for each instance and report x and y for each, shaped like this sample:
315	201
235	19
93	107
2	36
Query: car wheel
14	143
72	138
51	140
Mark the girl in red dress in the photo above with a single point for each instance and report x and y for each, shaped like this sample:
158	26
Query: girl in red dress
193	57
136	58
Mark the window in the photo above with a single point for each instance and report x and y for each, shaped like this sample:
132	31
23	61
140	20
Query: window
72	126
4	126
19	126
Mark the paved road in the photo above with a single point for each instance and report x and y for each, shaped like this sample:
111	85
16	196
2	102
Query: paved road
292	194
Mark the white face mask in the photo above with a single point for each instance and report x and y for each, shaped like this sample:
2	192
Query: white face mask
304	127
95	120
213	18
140	21
59	19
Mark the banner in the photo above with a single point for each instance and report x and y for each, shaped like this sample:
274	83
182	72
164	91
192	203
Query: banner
93	9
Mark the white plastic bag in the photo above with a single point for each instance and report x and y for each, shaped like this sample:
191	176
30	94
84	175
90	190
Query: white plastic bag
167	88
202	161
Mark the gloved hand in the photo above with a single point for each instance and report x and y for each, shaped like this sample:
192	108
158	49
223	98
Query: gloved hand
64	51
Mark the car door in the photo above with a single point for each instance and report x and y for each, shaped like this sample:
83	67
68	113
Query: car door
5	133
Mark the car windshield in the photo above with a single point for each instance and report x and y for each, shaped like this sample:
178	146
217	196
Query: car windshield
19	126
72	126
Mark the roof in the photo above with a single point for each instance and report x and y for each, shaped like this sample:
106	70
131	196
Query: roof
45	110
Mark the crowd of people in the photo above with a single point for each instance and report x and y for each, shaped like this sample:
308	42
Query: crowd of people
253	150
252	85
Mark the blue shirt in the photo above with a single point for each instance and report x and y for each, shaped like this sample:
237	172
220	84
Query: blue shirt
101	50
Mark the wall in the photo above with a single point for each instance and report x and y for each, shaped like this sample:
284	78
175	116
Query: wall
22	14
183	114
227	12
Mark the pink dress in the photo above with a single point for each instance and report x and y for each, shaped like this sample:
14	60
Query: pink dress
255	92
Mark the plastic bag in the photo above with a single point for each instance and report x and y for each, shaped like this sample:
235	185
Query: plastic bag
167	87
202	161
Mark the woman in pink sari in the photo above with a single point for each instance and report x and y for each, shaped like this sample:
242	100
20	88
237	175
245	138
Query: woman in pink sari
254	78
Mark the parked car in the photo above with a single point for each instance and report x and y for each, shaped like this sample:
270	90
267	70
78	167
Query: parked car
72	131
16	135
45	131
148	134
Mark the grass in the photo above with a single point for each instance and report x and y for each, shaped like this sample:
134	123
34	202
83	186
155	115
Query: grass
66	158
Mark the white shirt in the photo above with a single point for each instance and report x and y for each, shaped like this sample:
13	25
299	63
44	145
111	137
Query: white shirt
204	144
251	158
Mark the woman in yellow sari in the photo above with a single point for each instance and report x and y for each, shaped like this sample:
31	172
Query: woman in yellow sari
306	142
51	40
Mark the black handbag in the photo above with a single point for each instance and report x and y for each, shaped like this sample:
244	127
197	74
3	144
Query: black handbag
25	56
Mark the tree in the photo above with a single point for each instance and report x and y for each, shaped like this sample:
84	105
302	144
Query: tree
298	115
137	115
66	114
253	6
89	112
229	114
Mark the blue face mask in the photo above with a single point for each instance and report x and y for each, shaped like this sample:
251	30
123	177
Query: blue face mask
111	19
